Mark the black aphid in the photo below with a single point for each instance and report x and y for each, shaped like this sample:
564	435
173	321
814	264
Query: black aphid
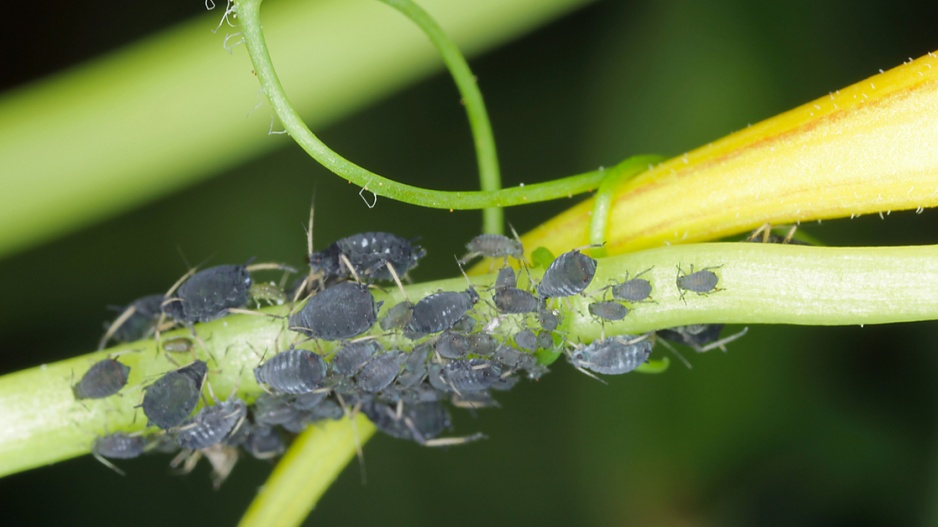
545	340
351	357
342	311
308	401
608	310
293	371
514	301
568	275
169	401
398	316
632	290
414	369
506	278
263	442
211	425
471	375
547	318
526	340
482	344
273	409
613	355
104	378
493	246
440	311
451	345
137	321
701	337
209	294
702	282
119	446
515	359
418	422
380	371
369	253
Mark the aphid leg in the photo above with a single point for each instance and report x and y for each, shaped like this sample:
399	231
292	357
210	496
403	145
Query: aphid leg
345	261
675	353
452	441
790	235
397	280
108	464
722	342
118	322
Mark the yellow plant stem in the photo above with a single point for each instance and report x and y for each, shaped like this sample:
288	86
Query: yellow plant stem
871	147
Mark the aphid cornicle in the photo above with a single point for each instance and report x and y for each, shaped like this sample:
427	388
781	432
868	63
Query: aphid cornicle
104	378
613	355
293	371
702	282
170	400
568	275
369	253
342	311
211	425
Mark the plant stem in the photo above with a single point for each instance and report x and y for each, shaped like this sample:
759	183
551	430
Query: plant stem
493	218
41	423
249	14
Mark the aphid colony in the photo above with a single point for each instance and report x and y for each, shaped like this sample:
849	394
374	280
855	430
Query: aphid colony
450	348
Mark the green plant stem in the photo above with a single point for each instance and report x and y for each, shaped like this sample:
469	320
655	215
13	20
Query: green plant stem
602	202
249	15
41	423
493	218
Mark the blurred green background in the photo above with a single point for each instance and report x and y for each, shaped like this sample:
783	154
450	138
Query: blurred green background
793	426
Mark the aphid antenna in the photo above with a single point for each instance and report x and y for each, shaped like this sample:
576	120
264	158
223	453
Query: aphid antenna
269	266
722	342
397	280
675	352
255	313
469	282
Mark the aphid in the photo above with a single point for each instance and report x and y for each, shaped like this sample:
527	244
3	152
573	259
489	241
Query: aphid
514	301
211	425
369	254
452	345
506	278
420	422
136	321
568	275
701	337
272	409
342	311
493	246
293	371
104	378
612	355
169	401
118	446
440	311
308	401
327	409
178	345
380	371
268	292
398	316
465	325
351	357
547	318
515	359
263	442
482	344
414	368
702	282
632	290
209	294
608	310
526	340
545	340
471	375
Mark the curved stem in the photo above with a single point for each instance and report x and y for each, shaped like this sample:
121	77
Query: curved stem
602	202
249	14
493	218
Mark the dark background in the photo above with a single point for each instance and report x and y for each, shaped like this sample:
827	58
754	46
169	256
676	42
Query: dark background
794	426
